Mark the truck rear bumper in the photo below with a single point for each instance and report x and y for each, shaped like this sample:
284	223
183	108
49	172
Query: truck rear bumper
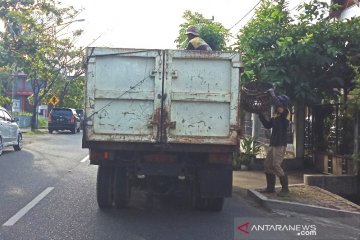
210	171
156	147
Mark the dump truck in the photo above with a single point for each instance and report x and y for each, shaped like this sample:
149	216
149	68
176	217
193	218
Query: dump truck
164	122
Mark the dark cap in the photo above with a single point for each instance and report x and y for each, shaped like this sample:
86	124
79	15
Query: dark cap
284	100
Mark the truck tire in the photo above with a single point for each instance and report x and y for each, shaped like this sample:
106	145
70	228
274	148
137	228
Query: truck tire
197	202
104	186
215	204
200	204
122	190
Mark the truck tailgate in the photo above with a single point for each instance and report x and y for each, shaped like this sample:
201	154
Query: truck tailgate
162	96
203	103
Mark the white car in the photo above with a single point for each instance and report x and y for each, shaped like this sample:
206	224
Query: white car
10	134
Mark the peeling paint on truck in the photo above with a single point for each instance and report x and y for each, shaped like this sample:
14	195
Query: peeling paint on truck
162	96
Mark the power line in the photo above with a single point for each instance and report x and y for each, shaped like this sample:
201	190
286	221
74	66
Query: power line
245	24
292	9
245	15
250	18
297	6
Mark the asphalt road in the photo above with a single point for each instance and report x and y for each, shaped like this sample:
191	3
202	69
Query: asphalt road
47	191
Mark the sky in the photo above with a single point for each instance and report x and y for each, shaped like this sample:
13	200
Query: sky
151	24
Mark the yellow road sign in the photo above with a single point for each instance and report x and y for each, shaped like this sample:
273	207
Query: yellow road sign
54	100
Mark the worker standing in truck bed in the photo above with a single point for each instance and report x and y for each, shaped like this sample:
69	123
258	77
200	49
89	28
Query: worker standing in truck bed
195	41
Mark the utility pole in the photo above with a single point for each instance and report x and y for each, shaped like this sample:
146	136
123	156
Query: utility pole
13	87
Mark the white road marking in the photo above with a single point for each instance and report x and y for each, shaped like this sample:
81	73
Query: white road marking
28	207
85	159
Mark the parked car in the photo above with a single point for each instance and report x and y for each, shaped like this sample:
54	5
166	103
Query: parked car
63	119
10	134
80	113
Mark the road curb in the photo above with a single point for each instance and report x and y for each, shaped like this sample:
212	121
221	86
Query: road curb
351	218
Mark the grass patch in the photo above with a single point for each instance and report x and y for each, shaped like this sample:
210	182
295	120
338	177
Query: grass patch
43	122
34	132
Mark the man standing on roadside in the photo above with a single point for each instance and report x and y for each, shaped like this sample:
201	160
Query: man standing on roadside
195	41
279	124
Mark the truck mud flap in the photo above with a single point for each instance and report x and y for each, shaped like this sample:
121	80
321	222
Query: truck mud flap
215	181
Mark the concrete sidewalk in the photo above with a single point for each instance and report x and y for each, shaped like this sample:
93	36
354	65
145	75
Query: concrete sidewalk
247	183
256	179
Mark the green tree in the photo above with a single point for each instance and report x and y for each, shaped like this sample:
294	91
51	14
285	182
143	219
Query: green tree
4	100
306	56
354	94
214	33
70	92
5	85
5	80
31	42
74	97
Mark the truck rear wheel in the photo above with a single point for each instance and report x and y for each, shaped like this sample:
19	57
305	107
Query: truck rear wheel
200	203
203	203
215	204
104	187
197	202
122	188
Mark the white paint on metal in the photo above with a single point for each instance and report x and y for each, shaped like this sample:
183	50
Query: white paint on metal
124	87
201	88
204	96
85	159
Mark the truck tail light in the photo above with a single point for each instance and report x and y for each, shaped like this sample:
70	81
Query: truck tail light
99	155
220	158
72	119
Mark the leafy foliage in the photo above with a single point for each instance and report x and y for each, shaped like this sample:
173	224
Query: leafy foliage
354	94
31	43
249	145
42	122
214	33
70	92
249	148
4	100
74	97
306	57
5	80
5	86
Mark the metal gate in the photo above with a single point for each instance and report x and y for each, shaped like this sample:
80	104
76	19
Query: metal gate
327	131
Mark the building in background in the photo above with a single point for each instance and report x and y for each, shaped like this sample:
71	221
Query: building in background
21	90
